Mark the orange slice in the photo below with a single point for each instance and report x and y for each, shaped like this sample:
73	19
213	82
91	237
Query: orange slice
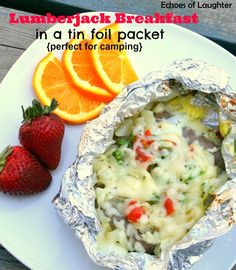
50	81
79	64
112	65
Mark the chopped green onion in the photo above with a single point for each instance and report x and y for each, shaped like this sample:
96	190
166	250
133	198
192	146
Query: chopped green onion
187	180
118	155
155	199
234	146
121	141
185	200
201	173
151	167
165	147
129	140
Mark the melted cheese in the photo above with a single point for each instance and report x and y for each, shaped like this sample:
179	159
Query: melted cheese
185	173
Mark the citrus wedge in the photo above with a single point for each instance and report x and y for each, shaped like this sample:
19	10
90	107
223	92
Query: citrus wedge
113	66
80	67
50	81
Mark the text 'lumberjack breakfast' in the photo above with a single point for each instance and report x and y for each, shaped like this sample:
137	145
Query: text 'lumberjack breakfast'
79	19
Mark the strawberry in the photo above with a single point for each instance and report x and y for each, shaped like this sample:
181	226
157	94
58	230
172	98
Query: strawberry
21	173
42	133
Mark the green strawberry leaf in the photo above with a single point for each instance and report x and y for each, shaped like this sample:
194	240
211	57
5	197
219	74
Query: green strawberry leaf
37	109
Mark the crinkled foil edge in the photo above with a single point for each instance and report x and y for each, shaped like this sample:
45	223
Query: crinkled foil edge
75	201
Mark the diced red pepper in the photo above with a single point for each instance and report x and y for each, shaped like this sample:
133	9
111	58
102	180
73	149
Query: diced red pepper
169	206
146	143
132	202
148	132
150	142
141	156
143	142
135	214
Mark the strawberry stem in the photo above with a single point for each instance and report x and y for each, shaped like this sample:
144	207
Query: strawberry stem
3	156
37	109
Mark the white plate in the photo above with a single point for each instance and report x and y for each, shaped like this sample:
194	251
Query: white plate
29	227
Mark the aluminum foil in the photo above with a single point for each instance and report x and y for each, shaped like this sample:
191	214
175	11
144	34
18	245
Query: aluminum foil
76	199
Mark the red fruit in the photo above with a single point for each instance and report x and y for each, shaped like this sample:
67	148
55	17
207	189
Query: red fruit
42	133
21	173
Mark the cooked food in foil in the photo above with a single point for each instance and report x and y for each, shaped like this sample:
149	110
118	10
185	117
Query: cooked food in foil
158	177
155	178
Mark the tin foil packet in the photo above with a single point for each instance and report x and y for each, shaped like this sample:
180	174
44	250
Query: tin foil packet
76	200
